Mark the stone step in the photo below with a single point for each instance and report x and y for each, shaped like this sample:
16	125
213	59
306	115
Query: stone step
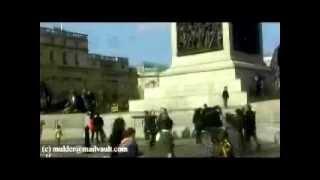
189	102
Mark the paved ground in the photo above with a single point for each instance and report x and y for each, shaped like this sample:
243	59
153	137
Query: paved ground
183	148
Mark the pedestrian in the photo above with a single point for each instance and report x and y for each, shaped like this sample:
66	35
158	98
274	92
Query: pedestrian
207	147
116	135
58	134
225	96
164	138
146	123
85	99
205	109
152	128
87	136
212	121
91	101
99	130
232	128
249	126
165	143
129	142
164	121
91	125
239	122
197	121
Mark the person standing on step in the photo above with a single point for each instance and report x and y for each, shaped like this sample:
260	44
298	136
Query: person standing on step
225	96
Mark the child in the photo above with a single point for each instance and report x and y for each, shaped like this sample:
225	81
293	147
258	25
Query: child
223	147
59	134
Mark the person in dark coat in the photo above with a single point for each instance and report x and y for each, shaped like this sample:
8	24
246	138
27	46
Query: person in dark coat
212	121
225	96
80	106
249	126
118	129
164	121
239	123
197	121
91	101
165	140
86	137
152	127
84	98
146	123
99	129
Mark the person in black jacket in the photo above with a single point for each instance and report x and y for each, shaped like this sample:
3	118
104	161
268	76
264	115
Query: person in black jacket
165	141
151	127
91	101
146	123
197	121
164	121
99	129
212	121
86	136
225	96
249	126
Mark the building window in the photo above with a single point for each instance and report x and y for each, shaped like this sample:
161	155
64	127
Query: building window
122	66
76	59
51	57
64	58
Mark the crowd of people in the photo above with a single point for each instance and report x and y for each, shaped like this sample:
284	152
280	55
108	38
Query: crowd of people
157	130
212	130
86	102
211	121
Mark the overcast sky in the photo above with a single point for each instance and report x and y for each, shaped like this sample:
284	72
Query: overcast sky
145	41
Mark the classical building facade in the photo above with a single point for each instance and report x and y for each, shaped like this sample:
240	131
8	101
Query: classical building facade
66	64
